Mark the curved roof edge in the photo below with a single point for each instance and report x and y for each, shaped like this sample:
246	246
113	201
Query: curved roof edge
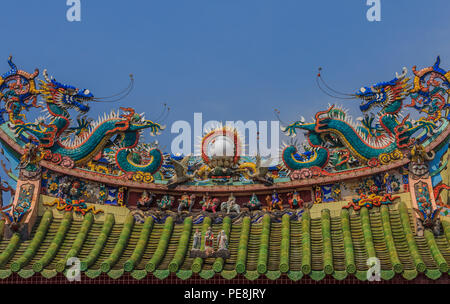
121	181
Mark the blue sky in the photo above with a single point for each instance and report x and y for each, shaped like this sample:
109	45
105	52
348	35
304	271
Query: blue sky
230	59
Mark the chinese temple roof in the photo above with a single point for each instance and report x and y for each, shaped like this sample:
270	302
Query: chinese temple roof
325	245
365	198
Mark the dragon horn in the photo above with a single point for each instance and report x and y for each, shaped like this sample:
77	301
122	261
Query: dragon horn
11	64
437	63
403	74
45	74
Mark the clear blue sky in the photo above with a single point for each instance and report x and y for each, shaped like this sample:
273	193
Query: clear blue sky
230	59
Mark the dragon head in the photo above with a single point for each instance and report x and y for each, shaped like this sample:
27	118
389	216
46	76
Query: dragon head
384	94
66	96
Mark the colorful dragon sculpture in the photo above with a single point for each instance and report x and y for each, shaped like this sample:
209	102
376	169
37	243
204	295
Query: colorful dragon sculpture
431	91
116	134
18	91
378	138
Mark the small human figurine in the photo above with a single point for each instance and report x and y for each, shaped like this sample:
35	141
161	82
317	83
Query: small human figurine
277	202
222	241
295	200
254	203
145	200
75	190
230	205
165	203
215	202
209	204
209	242
197	240
64	187
209	237
186	201
387	182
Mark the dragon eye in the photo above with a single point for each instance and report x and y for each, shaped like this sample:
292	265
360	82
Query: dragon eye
363	90
86	92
